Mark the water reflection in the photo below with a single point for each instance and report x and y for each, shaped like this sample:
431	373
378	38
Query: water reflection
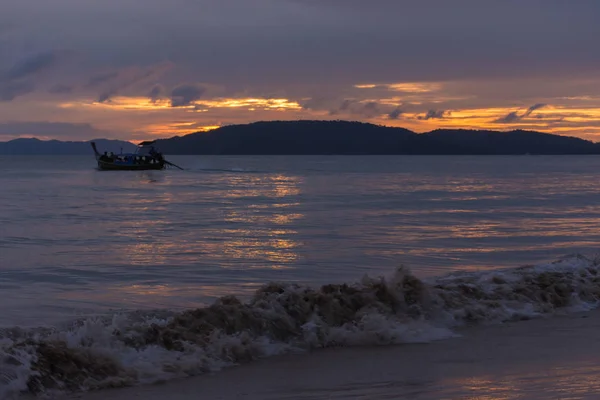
488	389
245	226
262	239
127	178
151	176
271	186
564	382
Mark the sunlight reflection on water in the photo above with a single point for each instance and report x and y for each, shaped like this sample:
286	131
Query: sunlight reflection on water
228	224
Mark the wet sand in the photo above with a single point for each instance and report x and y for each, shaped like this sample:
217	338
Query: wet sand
554	358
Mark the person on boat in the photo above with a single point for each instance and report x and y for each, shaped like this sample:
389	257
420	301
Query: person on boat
155	155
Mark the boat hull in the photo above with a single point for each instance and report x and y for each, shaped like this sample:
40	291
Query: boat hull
110	166
144	159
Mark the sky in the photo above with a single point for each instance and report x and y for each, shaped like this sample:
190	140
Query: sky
143	69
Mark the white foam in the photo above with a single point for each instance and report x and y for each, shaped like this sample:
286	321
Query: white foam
290	318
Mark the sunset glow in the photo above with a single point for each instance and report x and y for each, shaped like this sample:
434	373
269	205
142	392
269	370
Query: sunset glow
408	87
419	107
398	69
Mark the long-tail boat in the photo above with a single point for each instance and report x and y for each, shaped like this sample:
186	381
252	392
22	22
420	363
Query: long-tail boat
145	157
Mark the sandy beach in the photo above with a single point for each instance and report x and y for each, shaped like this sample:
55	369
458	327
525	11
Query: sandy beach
553	358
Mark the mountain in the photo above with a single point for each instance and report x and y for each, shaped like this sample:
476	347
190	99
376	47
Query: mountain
344	137
459	141
292	137
328	138
41	147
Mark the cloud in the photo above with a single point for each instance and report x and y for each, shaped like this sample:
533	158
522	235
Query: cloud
155	93
433	114
533	108
31	65
510	118
395	113
280	42
184	95
20	78
346	105
371	109
514	116
75	131
102	78
105	96
11	90
60	89
247	49
354	107
127	79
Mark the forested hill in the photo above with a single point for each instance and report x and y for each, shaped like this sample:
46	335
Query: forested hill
343	137
328	137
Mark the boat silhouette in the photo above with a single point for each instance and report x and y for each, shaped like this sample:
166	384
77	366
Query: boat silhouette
145	157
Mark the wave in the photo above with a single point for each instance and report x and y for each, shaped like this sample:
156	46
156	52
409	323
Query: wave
140	347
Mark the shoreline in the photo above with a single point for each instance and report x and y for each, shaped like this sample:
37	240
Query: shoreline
540	358
381	337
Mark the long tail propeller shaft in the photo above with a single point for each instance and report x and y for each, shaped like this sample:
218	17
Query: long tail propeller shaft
170	163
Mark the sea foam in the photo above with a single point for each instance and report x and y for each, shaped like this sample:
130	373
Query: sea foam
140	347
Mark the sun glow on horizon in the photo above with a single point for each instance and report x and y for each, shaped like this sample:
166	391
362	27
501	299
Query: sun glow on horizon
253	103
574	121
417	106
407	87
181	128
126	103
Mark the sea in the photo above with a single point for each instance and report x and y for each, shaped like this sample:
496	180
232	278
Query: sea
128	278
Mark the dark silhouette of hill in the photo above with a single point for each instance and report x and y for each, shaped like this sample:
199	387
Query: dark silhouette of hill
344	137
47	147
455	141
329	138
293	137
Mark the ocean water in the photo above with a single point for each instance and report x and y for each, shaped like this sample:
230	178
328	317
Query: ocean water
106	263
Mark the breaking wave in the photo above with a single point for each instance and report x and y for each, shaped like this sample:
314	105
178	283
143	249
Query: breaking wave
137	348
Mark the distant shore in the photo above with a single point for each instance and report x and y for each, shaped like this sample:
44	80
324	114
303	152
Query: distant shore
331	138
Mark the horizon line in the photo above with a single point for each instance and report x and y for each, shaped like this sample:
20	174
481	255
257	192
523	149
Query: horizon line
136	141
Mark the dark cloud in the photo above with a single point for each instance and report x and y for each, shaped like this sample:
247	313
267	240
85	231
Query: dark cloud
317	103
155	93
102	78
346	105
31	65
184	95
60	89
514	116
116	82
434	114
137	76
356	108
53	129
20	77
395	113
371	109
473	48
292	40
11	90
105	96
509	118
533	108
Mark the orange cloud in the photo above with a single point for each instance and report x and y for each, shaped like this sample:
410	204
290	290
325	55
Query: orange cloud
407	87
419	106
